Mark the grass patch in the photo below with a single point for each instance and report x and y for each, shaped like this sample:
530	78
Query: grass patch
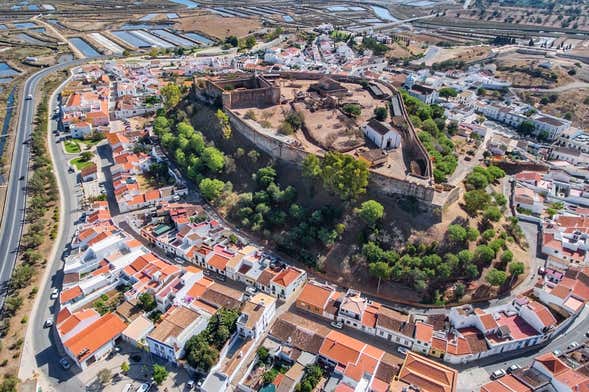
71	147
87	144
80	163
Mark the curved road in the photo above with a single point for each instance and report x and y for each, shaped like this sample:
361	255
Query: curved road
14	211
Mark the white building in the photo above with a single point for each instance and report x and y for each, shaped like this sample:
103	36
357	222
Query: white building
177	326
382	135
256	316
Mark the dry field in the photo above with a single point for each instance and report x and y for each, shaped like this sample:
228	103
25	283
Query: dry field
461	53
523	16
218	26
574	101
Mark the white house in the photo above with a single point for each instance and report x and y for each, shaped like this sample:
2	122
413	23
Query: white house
284	284
383	135
177	326
256	315
80	129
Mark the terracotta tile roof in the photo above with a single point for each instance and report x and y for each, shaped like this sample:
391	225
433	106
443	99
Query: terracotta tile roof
427	374
488	321
287	276
266	277
315	294
71	322
218	261
545	316
552	364
70	294
198	289
423	332
86	342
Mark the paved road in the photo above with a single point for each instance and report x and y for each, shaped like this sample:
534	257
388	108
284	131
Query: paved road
46	345
14	214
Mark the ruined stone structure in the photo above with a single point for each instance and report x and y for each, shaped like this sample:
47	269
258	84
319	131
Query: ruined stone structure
260	91
243	91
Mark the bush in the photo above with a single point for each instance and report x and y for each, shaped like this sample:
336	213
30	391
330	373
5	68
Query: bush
381	113
352	109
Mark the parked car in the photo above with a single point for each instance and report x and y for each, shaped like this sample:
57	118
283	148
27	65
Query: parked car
48	323
29	97
497	374
513	368
573	345
587	334
251	290
144	387
127	387
557	353
337	324
54	293
64	363
402	350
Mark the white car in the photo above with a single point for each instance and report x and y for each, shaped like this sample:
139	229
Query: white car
144	387
573	345
250	290
48	323
54	293
402	350
337	324
497	374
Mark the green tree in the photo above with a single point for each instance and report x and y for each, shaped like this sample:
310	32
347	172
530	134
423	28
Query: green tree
263	353
147	302
160	373
471	271
456	234
104	376
172	95
475	201
516	268
526	127
477	181
492	213
250	41
232	41
125	367
430	127
371	212
459	290
484	254
211	188
213	159
344	175
507	256
495	172
380	270
265	176
311	166
472	234
381	113
223	119
446	92
496	277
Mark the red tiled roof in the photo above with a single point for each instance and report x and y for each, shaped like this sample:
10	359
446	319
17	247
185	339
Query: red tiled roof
90	339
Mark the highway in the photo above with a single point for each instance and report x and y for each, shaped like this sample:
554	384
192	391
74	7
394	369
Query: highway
14	212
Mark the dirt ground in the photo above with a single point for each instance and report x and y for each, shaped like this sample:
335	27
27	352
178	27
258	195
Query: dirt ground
523	16
461	53
573	101
400	50
518	78
218	26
